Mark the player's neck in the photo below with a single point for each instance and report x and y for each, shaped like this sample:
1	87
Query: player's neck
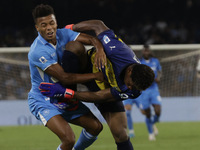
53	42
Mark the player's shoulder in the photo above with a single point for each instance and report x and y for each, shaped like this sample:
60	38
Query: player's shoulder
65	31
37	48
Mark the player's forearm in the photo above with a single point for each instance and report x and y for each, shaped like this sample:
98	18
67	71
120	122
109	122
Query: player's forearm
57	72
100	58
159	74
90	40
71	78
95	97
91	25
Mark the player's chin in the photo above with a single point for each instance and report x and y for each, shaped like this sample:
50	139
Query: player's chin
49	39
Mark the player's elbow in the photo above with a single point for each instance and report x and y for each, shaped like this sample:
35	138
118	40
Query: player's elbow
99	26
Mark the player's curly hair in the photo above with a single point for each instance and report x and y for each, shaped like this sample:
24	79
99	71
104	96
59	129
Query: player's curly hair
142	76
42	11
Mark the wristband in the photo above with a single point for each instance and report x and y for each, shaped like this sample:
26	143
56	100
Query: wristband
69	94
70	26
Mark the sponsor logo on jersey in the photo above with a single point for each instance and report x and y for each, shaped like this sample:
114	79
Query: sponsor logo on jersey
106	39
111	47
47	98
43	60
54	54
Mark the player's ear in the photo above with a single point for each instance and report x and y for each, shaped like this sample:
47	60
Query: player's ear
130	69
37	28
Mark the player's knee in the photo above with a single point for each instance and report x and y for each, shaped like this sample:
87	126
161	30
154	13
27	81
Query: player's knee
97	128
100	127
147	112
68	140
75	47
157	109
128	107
158	112
120	136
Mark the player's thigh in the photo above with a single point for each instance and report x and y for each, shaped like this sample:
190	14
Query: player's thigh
144	101
128	104
61	128
79	50
156	101
76	48
155	98
128	107
157	109
117	123
146	112
89	122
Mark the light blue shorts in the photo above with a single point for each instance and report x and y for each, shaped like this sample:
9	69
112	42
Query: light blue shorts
131	102
44	110
149	97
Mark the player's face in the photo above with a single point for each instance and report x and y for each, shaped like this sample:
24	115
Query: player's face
47	27
128	80
146	53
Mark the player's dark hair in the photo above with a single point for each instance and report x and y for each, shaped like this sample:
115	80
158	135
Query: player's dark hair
142	76
42	11
146	46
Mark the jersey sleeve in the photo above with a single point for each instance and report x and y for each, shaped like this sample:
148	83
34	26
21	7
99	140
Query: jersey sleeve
116	49
159	67
69	35
128	94
43	59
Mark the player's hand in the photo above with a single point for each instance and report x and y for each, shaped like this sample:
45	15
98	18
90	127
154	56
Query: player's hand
157	80
55	90
100	59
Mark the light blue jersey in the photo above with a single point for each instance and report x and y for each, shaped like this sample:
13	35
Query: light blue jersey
151	95
42	55
154	64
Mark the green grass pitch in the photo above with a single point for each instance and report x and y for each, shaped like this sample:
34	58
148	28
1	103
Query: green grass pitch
172	136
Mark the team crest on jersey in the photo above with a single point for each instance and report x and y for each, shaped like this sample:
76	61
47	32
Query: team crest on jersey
43	59
46	112
106	39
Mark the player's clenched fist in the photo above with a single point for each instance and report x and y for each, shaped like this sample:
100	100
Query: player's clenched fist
55	90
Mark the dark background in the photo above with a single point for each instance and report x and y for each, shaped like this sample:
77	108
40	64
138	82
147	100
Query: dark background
135	21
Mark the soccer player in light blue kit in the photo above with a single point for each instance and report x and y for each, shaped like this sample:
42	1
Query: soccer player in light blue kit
45	57
149	97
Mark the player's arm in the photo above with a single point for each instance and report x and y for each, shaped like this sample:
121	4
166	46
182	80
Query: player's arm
90	25
57	90
100	96
107	95
58	73
100	58
159	74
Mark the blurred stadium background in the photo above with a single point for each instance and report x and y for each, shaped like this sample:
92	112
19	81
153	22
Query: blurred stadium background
171	27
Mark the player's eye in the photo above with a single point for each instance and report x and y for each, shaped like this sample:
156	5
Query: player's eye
52	23
44	25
